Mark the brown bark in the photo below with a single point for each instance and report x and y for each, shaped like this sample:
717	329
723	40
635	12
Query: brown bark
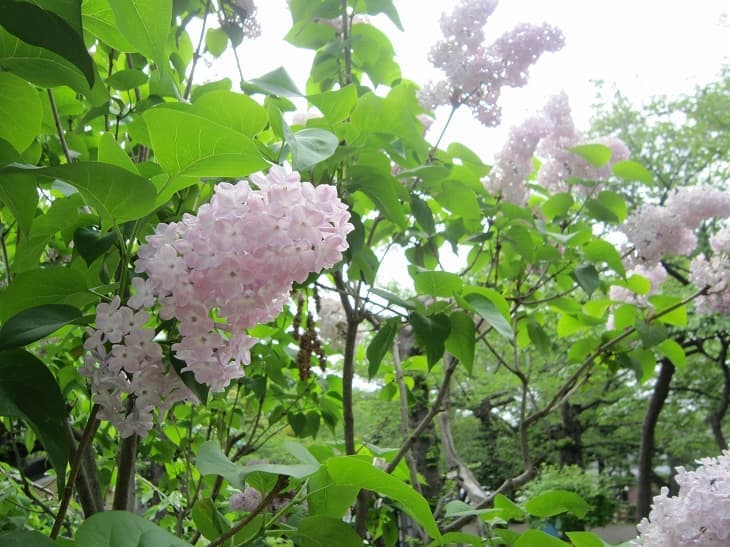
646	449
716	418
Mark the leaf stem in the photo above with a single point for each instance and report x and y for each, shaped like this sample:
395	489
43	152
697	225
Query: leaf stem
196	55
59	127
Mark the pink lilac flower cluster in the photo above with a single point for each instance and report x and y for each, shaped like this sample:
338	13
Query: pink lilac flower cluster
714	272
475	73
231	266
658	230
246	500
654	273
548	137
698	515
128	378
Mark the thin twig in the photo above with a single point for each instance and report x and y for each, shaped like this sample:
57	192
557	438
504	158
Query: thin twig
59	127
89	430
196	55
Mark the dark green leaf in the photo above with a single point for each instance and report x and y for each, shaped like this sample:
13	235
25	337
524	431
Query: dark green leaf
36	26
44	286
381	344
459	538
423	214
461	340
28	390
25	538
123	529
91	243
277	82
19	194
538	336
383	190
488	310
651	334
20	110
431	334
35	323
393	298
587	277
321	530
209	521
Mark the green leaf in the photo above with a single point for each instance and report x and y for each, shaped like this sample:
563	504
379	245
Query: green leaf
39	27
91	243
555	502
510	510
216	41
538	538
310	146
597	155
461	340
19	194
677	317
585	539
212	461
29	391
613	202
25	538
374	7
321	530
488	310
538	336
277	82
632	170
114	193
209	521
20	111
123	529
201	148
124	80
335	105
44	286
98	19
383	190
557	205
327	497
145	24
459	538
393	298
35	323
444	284
587	277
110	152
381	344
602	251
43	67
234	110
651	334
354	472
674	352
423	214
431	334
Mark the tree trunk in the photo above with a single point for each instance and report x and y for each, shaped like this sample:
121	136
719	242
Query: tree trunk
571	445
646	449
425	448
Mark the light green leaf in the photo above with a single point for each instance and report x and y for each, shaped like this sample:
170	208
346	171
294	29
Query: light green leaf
20	111
555	502
423	214
216	41
234	110
557	205
327	497
335	105
674	352
460	538
124	80
145	24
510	510
29	391
98	19
632	170
585	539
310	146
538	538
444	284
35	323
383	190
677	317
597	155
354	472
598	251
190	145
209	521
321	531
123	529
110	152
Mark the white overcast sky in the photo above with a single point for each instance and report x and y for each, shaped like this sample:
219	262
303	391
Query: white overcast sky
644	47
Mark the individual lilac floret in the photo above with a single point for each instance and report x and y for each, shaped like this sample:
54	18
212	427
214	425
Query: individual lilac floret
714	273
